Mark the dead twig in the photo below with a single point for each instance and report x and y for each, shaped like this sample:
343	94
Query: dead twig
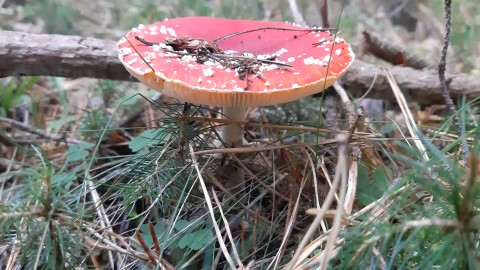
324	12
443	83
43	134
204	50
394	54
314	29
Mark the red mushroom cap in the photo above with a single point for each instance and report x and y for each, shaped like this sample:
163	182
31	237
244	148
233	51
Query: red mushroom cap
316	60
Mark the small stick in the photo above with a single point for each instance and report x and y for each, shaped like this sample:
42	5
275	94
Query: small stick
272	28
324	13
443	84
215	56
143	59
148	43
145	42
390	52
39	132
249	58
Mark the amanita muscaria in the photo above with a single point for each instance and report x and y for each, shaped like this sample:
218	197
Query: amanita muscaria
234	64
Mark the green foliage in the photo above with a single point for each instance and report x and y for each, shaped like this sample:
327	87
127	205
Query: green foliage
93	123
371	188
432	220
78	151
158	182
58	124
59	17
149	138
30	212
196	240
15	92
184	234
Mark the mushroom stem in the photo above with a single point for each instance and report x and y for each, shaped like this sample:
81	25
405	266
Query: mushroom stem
233	133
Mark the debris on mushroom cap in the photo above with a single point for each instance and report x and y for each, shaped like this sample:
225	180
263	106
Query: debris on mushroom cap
285	65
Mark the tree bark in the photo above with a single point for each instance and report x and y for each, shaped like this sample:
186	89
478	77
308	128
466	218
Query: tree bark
73	56
59	55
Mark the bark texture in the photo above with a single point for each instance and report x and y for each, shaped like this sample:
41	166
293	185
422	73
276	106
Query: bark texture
58	55
74	57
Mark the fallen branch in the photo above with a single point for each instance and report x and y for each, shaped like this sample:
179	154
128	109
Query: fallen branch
59	55
39	132
390	52
74	57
